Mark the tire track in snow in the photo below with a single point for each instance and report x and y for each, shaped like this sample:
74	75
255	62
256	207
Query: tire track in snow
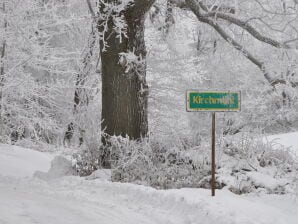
27	207
98	201
95	202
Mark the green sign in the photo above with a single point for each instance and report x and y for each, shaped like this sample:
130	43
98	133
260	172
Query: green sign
213	101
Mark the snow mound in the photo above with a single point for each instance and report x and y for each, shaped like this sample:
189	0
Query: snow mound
288	140
266	181
60	167
18	162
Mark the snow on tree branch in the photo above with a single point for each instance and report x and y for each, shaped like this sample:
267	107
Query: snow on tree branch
111	12
211	17
132	62
219	12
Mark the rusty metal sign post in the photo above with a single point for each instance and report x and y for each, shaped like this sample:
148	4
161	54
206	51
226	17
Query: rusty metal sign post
213	101
213	184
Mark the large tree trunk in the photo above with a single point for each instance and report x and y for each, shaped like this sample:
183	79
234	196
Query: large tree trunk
124	87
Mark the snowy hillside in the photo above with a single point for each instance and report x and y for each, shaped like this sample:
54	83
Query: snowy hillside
74	200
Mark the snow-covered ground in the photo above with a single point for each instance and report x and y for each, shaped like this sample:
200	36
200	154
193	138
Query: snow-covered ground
288	140
20	162
76	200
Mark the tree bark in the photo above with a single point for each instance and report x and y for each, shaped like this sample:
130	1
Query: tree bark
124	87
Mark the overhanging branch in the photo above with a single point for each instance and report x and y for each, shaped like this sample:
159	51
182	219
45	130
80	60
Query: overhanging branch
196	9
215	15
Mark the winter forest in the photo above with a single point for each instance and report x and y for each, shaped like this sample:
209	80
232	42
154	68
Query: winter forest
93	111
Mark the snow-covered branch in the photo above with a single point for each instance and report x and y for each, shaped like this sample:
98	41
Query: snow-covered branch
211	17
201	11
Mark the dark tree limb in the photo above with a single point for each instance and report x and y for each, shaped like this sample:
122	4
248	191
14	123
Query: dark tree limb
183	5
197	8
224	13
237	46
141	7
215	15
244	25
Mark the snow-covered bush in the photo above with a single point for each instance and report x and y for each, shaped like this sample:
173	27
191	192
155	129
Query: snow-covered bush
152	162
43	44
87	160
245	163
249	163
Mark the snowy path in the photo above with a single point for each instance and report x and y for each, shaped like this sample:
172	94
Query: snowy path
26	208
75	200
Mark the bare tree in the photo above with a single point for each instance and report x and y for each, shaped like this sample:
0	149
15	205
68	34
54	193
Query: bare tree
2	62
81	95
3	52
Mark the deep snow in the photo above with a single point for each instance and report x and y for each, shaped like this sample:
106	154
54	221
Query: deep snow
77	200
288	140
20	162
